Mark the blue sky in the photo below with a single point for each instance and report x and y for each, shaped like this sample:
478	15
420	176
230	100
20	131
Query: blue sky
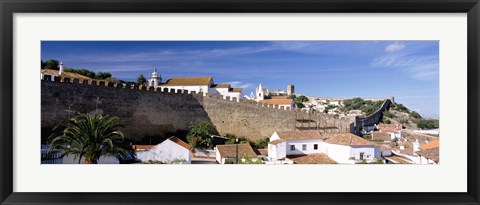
407	70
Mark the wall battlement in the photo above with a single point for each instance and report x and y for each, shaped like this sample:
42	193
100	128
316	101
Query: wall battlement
154	111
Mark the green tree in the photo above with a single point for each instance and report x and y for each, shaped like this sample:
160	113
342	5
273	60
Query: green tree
141	80
291	96
428	124
261	143
400	107
415	115
199	134
42	65
90	137
302	98
248	160
52	64
103	75
388	114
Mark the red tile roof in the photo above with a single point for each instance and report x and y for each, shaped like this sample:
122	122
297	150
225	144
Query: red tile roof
237	90
390	127
347	139
221	86
430	145
230	151
312	159
432	153
275	142
299	135
188	81
277	102
181	143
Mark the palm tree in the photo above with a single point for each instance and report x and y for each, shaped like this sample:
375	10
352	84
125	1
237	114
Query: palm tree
90	136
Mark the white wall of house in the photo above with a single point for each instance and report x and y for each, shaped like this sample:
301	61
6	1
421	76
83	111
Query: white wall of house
218	157
196	88
397	134
369	152
304	147
339	153
166	152
423	160
277	151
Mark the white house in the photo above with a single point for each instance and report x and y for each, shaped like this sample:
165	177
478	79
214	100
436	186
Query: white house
341	147
285	103
172	150
226	91
227	154
195	84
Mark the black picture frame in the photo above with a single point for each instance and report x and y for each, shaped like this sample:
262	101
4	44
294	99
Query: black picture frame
10	7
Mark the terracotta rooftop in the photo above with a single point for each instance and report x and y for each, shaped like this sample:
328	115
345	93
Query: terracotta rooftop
221	86
432	153
181	143
65	74
311	159
299	135
277	102
261	151
390	127
238	90
275	142
381	136
188	81
280	97
230	151
430	145
347	139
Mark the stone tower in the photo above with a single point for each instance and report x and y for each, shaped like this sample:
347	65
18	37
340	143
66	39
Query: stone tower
155	79
290	89
392	98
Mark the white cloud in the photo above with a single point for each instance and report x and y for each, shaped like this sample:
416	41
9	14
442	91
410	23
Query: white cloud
238	84
420	67
394	47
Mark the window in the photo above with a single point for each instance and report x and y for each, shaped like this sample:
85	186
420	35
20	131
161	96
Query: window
292	147
304	147
315	147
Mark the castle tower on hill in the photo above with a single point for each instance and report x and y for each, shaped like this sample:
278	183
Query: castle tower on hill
155	79
290	90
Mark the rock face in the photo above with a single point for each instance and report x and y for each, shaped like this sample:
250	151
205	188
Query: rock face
148	112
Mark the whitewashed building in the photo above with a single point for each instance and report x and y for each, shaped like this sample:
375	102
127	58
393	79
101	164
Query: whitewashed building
194	84
340	147
172	150
285	103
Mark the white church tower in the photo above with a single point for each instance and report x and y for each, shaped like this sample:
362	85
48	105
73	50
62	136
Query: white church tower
260	95
155	79
60	70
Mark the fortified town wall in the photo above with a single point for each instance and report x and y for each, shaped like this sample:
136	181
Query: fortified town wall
373	118
151	111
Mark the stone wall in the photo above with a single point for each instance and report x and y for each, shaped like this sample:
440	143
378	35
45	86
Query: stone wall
374	118
157	112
